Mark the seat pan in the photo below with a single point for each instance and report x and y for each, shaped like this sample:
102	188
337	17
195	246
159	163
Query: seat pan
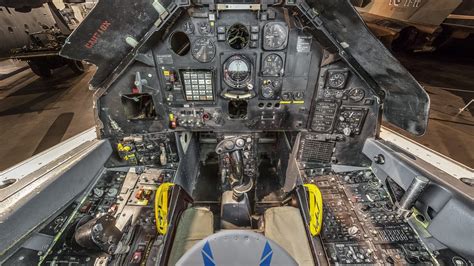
195	224
285	226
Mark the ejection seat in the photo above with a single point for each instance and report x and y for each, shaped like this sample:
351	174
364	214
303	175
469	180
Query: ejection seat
283	227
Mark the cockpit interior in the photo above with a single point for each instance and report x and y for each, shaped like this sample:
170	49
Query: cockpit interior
243	133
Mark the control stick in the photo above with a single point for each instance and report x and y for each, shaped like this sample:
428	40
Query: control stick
239	181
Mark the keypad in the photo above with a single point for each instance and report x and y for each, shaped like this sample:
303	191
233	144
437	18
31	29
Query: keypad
198	85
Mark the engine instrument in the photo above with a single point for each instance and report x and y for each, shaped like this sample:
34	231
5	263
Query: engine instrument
337	80
188	27
275	36
203	50
356	94
205	28
272	65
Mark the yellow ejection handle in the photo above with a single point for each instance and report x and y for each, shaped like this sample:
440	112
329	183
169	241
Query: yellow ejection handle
161	207
315	201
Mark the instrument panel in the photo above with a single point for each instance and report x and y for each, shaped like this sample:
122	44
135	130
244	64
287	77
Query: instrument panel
241	71
230	74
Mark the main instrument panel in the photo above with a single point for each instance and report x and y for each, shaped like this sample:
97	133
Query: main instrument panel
262	71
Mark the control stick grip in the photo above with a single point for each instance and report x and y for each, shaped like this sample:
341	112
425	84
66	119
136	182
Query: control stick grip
236	164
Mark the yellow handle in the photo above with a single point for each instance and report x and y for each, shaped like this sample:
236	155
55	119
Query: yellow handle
161	207
315	200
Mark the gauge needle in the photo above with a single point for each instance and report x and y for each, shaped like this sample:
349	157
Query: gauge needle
199	53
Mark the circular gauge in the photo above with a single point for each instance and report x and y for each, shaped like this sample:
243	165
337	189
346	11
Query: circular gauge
298	96
275	36
237	71
272	65
337	80
203	50
268	92
356	94
205	28
339	94
188	27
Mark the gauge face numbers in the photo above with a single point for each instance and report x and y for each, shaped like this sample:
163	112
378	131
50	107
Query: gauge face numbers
203	50
356	94
188	27
272	66
337	80
237	72
275	36
205	28
350	121
333	94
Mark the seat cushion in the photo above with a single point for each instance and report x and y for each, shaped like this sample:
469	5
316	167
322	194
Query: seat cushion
195	224
285	226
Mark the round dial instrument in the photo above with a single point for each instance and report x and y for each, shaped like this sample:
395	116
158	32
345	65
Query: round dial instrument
272	65
356	94
188	27
237	71
205	28
203	50
268	92
337	80
275	36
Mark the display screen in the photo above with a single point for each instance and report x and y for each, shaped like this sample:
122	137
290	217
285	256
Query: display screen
198	85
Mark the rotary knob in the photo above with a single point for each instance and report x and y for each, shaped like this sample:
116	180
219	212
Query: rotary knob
240	143
229	145
347	131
